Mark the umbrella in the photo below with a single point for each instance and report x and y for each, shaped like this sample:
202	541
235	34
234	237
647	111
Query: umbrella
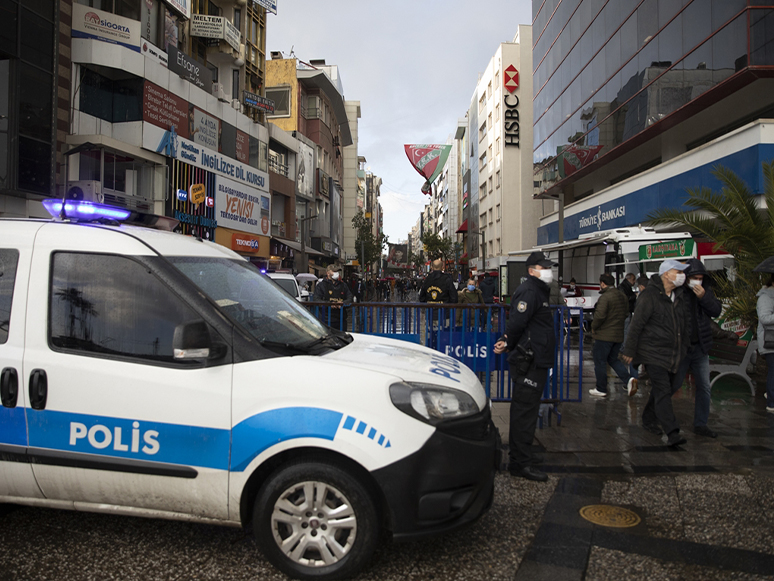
765	266
305	277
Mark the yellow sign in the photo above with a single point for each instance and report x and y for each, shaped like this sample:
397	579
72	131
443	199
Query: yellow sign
368	214
196	194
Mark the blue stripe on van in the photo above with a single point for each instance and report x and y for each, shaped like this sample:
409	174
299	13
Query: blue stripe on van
13	429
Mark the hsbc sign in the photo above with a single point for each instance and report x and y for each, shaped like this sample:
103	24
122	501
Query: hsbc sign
511	106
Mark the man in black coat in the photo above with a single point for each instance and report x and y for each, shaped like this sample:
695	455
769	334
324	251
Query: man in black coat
438	286
333	290
658	338
488	288
531	342
703	307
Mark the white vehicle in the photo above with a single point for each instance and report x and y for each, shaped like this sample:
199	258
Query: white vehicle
152	374
289	284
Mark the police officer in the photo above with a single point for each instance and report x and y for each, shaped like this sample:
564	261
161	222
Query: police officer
438	286
530	342
332	289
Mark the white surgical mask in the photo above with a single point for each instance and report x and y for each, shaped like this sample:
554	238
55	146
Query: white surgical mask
694	282
335	276
547	276
679	279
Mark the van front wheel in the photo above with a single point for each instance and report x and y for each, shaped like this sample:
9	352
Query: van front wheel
313	520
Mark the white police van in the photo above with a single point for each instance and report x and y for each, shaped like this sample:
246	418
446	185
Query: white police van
153	374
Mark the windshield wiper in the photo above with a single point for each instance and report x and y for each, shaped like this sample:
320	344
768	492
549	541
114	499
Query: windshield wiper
280	345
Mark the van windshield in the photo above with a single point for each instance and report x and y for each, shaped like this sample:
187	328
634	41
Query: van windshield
252	300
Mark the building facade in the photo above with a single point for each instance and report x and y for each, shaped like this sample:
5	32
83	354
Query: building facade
635	102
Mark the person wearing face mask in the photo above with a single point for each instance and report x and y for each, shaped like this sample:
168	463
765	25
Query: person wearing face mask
333	290
703	307
471	295
658	338
530	343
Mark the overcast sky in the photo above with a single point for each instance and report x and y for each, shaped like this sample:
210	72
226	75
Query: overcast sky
413	65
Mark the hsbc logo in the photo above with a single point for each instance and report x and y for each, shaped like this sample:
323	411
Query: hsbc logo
511	109
511	79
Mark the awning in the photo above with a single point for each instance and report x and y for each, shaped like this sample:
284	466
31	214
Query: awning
463	228
312	252
291	243
463	259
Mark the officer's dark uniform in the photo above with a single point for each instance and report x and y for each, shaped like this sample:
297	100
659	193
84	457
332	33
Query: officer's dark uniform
438	288
531	345
333	291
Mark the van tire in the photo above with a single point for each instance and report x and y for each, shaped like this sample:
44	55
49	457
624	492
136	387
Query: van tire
341	526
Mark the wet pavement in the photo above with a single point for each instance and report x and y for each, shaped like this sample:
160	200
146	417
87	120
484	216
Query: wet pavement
704	511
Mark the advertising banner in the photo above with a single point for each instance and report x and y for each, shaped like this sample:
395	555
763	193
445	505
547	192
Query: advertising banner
397	256
104	26
242	146
218	27
170	144
182	6
473	349
428	160
164	109
270	5
204	129
188	69
238	207
257	102
671	249
153	52
305	171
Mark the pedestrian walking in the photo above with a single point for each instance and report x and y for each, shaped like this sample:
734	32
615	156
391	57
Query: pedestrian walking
765	307
658	339
703	308
607	330
530	342
333	290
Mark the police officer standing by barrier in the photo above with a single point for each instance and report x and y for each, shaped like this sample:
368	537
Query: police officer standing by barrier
438	286
332	289
530	342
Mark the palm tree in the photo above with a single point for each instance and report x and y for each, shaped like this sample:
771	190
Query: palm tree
732	220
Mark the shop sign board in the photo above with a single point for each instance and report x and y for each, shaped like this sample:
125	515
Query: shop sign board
323	187
270	5
231	34
182	6
100	25
154	53
165	109
242	146
257	102
238	206
170	144
196	193
669	249
204	129
218	27
188	69
245	243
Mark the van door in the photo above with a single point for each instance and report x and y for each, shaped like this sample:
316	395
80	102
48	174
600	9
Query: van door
114	418
16	477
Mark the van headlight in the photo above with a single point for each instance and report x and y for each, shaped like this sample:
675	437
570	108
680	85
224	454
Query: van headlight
432	403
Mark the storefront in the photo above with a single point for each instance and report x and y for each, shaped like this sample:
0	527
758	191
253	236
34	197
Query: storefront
254	248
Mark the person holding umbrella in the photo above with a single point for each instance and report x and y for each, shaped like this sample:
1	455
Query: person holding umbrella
765	308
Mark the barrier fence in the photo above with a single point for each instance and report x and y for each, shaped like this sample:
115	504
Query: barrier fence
467	333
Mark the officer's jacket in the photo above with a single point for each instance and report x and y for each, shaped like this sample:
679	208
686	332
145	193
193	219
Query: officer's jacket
531	322
334	291
438	288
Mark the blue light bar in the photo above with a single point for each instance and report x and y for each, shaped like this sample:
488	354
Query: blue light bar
84	210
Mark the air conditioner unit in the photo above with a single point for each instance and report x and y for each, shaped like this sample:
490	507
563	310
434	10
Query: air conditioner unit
236	104
85	190
217	90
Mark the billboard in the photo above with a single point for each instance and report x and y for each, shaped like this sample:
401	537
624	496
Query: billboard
238	207
104	26
397	256
305	171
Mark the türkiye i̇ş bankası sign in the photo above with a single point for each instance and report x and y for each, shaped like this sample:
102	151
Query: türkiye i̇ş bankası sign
663	250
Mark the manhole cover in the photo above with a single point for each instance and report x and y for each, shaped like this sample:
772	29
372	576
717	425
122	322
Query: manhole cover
610	516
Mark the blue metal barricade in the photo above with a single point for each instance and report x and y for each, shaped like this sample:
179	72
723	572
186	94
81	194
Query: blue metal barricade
467	333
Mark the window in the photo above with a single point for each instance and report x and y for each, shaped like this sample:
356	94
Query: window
111	305
499	246
482	191
482	103
489	122
499	213
497	146
281	98
498	179
490	217
482	131
482	161
489	90
497	79
497	112
235	84
490	153
491	248
489	182
238	19
113	101
8	262
482	222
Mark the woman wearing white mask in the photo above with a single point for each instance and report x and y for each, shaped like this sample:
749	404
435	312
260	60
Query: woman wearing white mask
659	338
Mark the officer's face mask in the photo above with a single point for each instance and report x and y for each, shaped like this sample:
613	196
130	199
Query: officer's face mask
547	275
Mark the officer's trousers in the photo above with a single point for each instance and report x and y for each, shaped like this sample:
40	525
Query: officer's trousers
525	407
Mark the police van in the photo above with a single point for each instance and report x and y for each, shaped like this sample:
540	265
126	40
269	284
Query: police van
153	374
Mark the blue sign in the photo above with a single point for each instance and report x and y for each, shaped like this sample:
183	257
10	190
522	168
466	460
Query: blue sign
473	349
182	195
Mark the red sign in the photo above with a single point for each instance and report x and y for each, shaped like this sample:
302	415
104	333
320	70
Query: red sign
242	146
511	79
245	243
265	225
164	109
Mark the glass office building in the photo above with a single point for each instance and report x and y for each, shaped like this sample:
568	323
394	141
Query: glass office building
623	87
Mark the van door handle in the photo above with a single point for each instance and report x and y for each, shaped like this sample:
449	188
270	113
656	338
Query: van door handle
38	389
9	387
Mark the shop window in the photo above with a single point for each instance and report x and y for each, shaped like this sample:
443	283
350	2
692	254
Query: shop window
85	289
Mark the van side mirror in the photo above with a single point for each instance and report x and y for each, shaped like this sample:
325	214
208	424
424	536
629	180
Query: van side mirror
192	340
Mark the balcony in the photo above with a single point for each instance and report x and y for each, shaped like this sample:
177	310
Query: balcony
277	167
